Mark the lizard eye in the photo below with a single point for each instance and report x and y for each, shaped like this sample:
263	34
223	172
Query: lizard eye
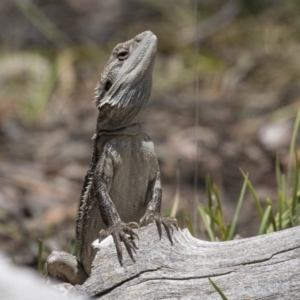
122	54
107	85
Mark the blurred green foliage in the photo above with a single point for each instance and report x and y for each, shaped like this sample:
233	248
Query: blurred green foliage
281	213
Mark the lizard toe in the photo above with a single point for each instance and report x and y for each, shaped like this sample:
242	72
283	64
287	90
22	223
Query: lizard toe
117	240
120	233
103	234
167	222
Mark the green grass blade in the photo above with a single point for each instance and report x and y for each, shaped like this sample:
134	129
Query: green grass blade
217	195
278	172
189	221
296	185
218	289
177	194
40	255
219	213
237	211
282	201
279	189
205	218
263	224
272	216
292	146
220	223
280	210
253	193
286	219
210	203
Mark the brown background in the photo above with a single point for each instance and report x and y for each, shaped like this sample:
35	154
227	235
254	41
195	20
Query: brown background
51	56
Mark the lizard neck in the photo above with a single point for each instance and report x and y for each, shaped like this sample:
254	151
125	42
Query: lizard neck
132	129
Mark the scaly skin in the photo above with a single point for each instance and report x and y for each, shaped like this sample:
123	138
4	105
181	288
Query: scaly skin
122	185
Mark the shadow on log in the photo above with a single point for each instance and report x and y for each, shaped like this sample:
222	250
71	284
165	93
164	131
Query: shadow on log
262	267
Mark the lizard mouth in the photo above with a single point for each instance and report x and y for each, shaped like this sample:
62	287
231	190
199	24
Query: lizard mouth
108	85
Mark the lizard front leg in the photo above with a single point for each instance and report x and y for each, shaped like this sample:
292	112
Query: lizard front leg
153	209
115	227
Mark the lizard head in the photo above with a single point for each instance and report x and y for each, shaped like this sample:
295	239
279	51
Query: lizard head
125	83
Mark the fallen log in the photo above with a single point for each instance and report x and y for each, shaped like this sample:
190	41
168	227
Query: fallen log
261	267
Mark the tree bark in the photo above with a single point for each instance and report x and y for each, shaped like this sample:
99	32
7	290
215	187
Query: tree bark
261	267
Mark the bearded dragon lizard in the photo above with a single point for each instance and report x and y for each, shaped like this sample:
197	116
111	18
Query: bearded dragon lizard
122	185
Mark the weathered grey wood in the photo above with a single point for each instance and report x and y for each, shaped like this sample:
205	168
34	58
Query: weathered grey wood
262	267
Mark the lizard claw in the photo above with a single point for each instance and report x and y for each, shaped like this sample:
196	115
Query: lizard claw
168	223
119	233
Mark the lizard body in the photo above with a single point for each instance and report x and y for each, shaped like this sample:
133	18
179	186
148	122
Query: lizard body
122	185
